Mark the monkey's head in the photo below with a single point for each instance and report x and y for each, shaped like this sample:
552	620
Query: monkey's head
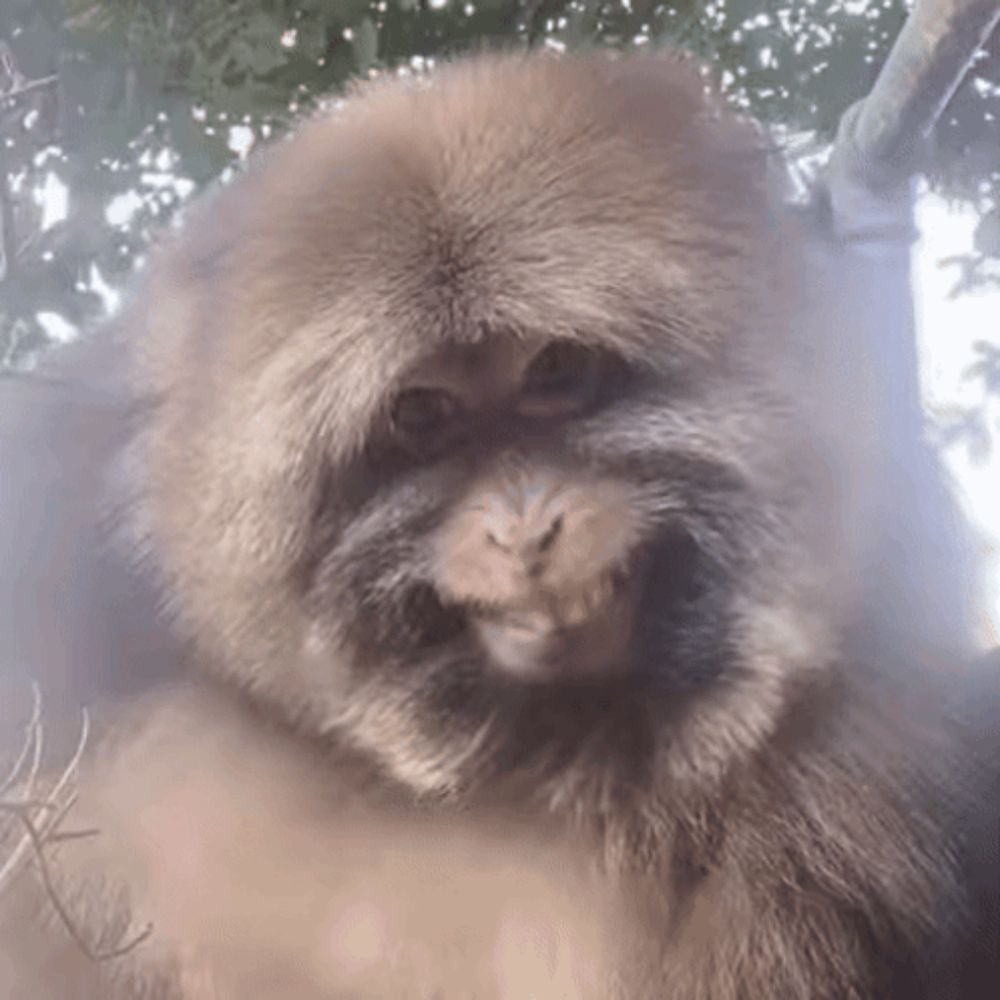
471	438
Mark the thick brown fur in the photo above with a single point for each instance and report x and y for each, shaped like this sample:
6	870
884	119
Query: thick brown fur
787	788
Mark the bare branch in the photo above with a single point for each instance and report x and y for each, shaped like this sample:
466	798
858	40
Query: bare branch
52	801
12	96
38	841
31	739
8	232
880	136
40	821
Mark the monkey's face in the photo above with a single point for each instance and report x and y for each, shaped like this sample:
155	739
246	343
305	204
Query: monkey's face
534	553
564	549
472	443
555	554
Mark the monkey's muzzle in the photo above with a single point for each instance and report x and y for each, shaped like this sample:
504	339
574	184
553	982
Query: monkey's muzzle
585	637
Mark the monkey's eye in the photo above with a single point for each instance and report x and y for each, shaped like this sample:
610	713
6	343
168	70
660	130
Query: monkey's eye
421	415
563	378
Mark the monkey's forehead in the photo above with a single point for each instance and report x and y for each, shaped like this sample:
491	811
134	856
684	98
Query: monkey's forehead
581	197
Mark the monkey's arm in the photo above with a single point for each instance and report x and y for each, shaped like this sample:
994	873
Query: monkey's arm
78	621
263	874
74	615
980	954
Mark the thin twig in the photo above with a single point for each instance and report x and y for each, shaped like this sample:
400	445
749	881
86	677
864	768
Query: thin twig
30	737
28	786
28	88
37	841
65	835
40	821
8	228
52	802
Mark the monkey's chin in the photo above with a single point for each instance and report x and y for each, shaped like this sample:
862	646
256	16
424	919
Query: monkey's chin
530	646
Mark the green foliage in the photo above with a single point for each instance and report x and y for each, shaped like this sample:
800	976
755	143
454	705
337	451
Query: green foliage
145	96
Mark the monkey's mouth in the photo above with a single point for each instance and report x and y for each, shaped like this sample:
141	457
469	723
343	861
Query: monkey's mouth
602	630
580	636
641	618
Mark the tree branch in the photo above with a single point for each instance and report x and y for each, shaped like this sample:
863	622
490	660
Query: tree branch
28	88
880	137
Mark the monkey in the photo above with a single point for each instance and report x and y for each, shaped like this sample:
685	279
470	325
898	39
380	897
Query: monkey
503	547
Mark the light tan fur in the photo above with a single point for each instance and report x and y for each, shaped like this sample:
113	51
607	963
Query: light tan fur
749	777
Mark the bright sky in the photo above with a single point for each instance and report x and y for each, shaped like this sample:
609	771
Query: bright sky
946	330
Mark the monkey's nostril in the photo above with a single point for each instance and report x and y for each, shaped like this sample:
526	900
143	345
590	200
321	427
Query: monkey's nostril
551	534
496	543
534	551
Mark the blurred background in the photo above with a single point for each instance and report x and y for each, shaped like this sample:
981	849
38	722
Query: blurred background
114	112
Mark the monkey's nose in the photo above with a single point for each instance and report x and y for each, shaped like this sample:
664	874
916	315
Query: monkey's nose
531	541
536	548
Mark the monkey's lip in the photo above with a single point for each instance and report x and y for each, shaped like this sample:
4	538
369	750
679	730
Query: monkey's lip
581	636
